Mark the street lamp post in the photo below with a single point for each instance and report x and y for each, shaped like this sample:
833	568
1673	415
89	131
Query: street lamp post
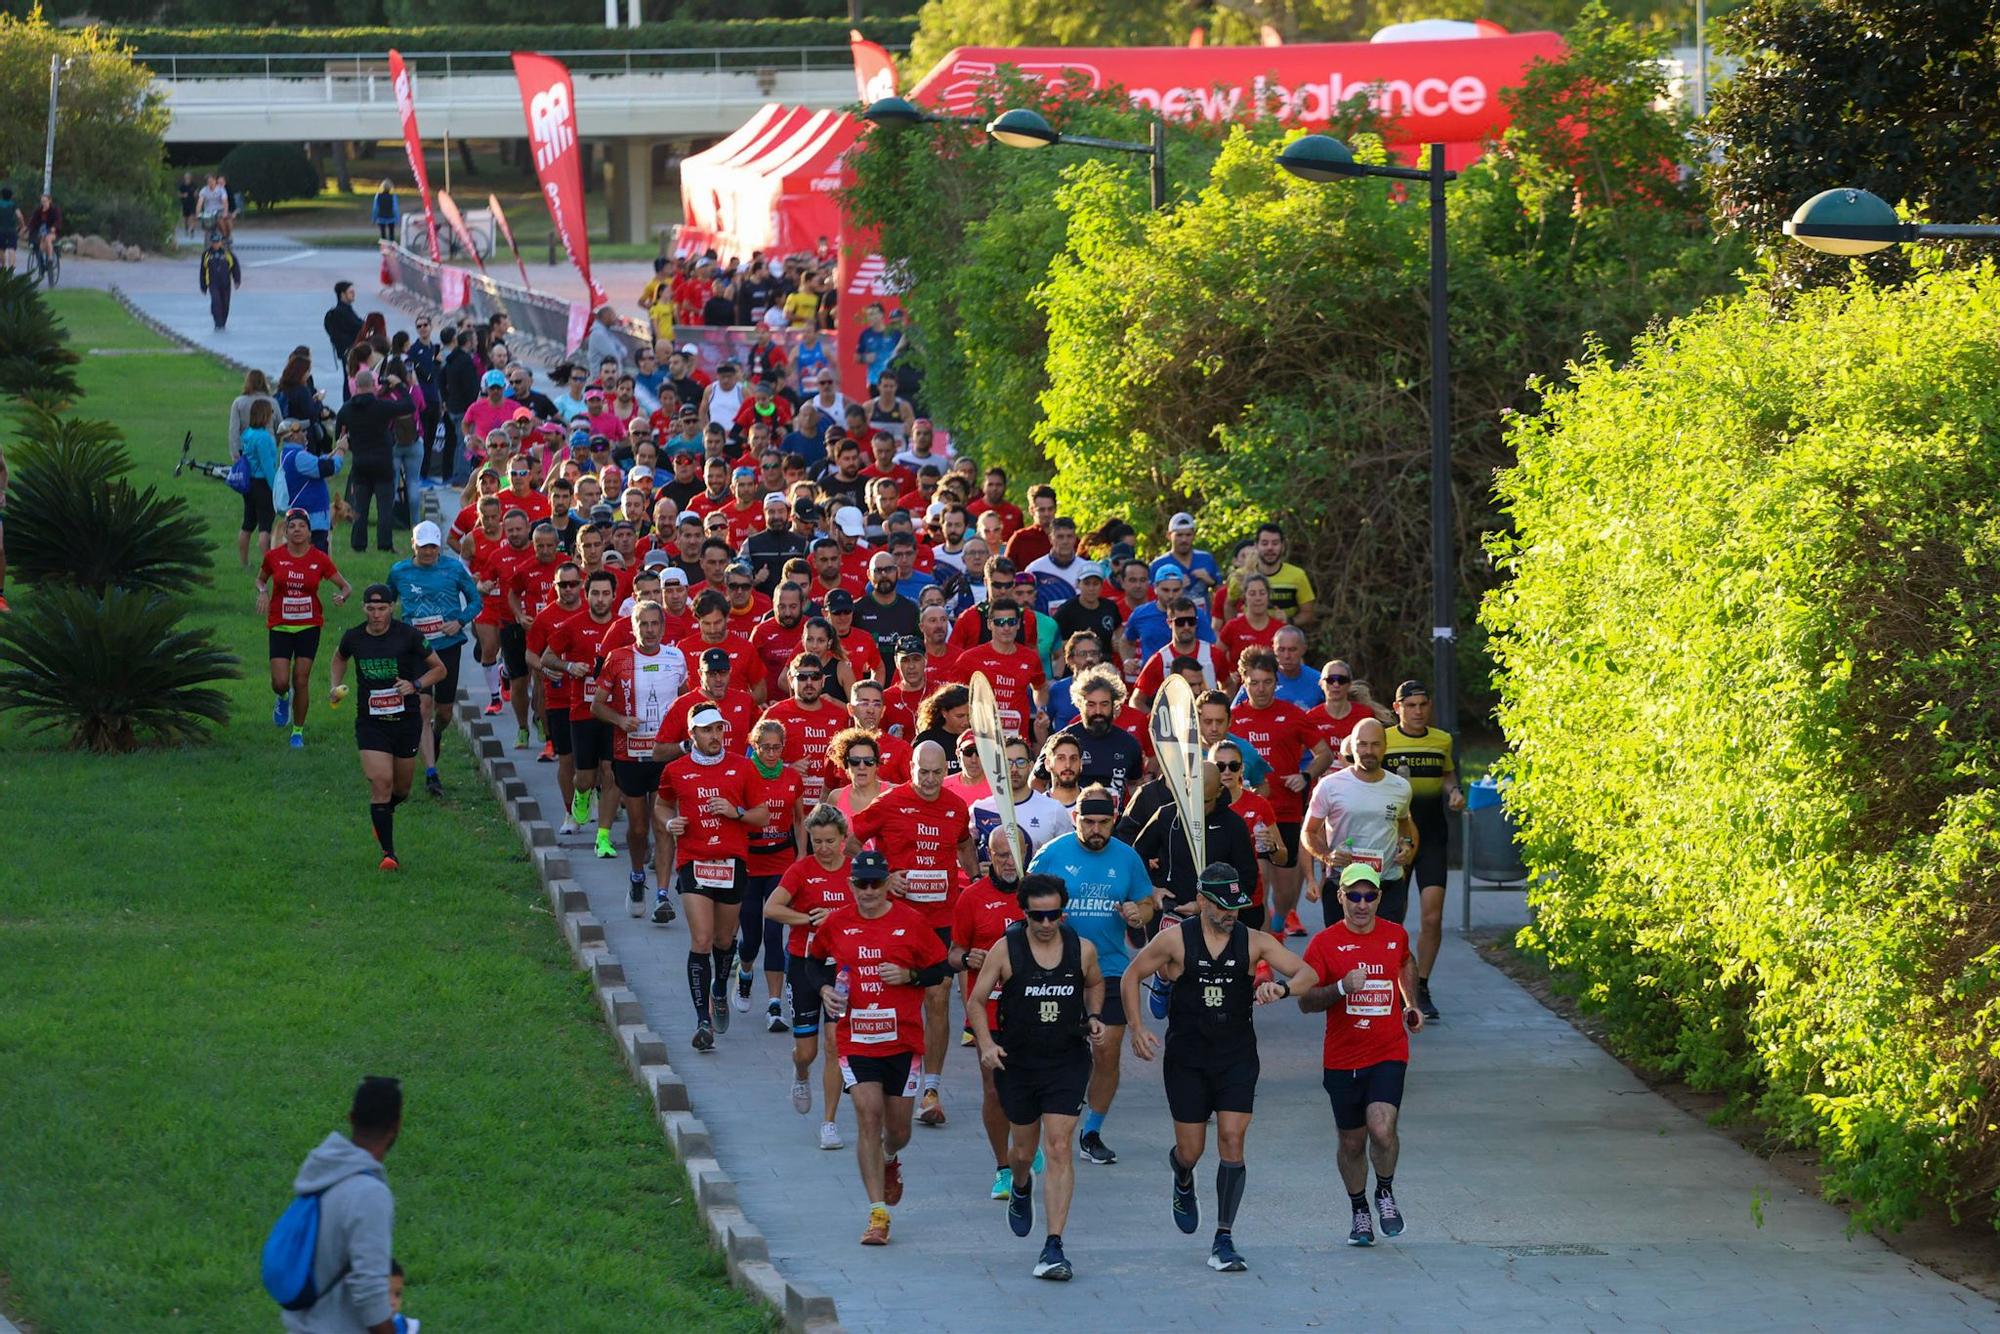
49	144
1847	221
895	113
1028	129
1319	157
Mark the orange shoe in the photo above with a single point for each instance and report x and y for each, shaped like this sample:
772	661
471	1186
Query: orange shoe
1262	975
931	1110
878	1228
892	1190
548	754
388	864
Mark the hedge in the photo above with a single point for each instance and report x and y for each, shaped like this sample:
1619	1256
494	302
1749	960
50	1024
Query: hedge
1751	682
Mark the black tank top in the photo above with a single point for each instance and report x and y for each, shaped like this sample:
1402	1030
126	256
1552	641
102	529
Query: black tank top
1042	1010
1212	1001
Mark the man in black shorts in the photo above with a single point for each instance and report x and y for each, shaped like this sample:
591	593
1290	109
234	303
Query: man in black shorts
1211	1063
1051	1002
392	663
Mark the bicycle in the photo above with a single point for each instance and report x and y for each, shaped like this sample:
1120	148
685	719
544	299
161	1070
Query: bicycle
48	263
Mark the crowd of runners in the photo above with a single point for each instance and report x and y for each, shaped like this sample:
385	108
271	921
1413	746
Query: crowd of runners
741	624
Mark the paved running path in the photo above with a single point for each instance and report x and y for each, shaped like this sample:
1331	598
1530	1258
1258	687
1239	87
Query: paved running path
1546	1187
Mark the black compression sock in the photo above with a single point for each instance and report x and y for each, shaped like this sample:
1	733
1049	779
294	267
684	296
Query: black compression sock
382	815
398	799
725	966
1384	1183
698	979
1358	1201
1229	1179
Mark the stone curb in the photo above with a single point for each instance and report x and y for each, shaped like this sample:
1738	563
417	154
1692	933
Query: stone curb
742	1244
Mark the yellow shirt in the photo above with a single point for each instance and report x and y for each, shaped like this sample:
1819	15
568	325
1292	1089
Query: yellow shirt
1291	588
663	319
802	307
1421	759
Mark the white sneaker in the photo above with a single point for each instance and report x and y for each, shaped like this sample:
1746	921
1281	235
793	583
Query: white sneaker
567	827
739	995
802	1098
829	1136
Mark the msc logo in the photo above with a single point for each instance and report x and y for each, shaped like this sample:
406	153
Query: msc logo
549	122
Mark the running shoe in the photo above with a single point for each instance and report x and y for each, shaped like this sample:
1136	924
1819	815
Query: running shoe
521	741
930	1110
1158	989
1363	1231
298	741
548	755
704	1038
878	1228
1095	1150
774	1017
1430	1012
802	1097
635	895
507	688
492	706
579	805
1293	926
892	1182
388	864
1053	1265
604	848
1003	1182
567	828
1222	1256
281	712
663	908
742	1001
434	785
1186	1204
1020	1209
719	1006
1388	1212
829	1136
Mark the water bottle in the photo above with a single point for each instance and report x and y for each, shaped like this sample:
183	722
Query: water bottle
840	989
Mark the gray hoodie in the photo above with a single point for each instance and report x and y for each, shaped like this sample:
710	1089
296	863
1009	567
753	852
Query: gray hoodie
356	1216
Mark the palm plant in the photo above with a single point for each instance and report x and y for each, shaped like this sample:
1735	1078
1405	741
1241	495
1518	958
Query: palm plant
36	364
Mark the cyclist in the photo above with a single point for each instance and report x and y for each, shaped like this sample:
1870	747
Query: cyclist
44	225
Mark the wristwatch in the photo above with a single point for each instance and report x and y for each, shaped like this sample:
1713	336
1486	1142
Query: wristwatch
1097	1017
1286	983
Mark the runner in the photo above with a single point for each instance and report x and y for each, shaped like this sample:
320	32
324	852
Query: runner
1062	758
884	959
527	589
439	595
1211	1065
293	618
1288	737
1366	1050
773	850
810	722
492	550
1015	670
391	663
1420	753
812	890
1110	756
637	685
985	909
573	646
706	796
738	710
1109	894
1362	814
1227	757
1040	817
1050	997
926	833
556	682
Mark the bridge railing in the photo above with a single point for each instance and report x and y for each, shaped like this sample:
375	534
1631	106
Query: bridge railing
371	68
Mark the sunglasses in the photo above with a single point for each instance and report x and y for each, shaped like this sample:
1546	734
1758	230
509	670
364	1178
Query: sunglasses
968	750
1009	623
1186	620
1017	763
1362	895
1335	679
1045	914
735	587
1229	766
868	760
808	676
569	583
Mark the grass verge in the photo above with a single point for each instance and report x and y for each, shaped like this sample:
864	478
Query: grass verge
199	960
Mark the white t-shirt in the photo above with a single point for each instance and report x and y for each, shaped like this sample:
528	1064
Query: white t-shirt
1362	817
1040	816
1069	573
658	679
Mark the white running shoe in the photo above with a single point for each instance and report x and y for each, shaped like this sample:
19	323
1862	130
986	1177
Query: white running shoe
802	1098
567	828
829	1136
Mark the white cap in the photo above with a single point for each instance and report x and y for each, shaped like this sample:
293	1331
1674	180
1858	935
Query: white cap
1181	523
934	510
642	472
690	349
674	574
426	534
776	498
848	519
705	716
655	559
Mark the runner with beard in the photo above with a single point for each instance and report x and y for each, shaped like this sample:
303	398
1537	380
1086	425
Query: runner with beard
986	908
635	688
1211	1064
1039	816
810	721
1110	755
814	888
574	646
773	851
1062	758
738	710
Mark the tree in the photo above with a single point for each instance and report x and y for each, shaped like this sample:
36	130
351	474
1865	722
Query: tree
110	123
1900	99
37	364
269	172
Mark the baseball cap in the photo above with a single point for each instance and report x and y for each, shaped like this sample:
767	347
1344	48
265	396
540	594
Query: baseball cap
593	390
807	510
493	380
1181	523
426	534
1360	873
850	521
690	349
655	559
738	566
839	601
743	472
908	645
1169	570
687	517
1409	688
705	716
715	660
378	593
522	415
642	473
868	866
776	498
601	513
966	738
1090	570
1220	886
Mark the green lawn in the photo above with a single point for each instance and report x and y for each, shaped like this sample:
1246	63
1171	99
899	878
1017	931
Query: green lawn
198	960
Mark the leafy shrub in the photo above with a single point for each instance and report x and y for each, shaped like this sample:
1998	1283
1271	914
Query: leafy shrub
90	208
265	173
1749	675
73	517
115	670
36	362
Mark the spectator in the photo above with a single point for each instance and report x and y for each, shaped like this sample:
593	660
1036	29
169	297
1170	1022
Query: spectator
342	325
357	1217
386	212
364	423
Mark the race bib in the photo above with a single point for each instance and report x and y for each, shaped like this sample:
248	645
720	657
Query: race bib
589	689
1374	859
925	886
872	1025
1010	721
1376	997
385	704
295	609
428	626
715	875
815	787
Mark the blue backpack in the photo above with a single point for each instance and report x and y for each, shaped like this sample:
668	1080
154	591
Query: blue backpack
288	1255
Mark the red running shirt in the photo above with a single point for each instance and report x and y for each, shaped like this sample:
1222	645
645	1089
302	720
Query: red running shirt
690	787
881	1020
1013	676
541	633
774	848
1257	814
983	913
579	639
1282	733
813	886
1366	1028
739	715
920	838
746	669
806	733
293	582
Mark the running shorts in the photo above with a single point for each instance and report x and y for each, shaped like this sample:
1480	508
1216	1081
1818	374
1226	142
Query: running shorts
1033	1089
897	1074
397	738
514	650
286	644
445	692
637	778
590	739
803	979
1201	1082
688	880
558	729
1352	1091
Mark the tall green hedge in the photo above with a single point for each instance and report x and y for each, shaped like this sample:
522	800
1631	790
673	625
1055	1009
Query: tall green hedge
1750	674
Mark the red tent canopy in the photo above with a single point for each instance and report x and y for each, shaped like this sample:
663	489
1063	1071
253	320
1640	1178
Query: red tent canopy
774	190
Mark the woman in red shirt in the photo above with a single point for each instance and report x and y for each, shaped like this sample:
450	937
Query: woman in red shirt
1256	627
856	753
807	894
288	594
776	786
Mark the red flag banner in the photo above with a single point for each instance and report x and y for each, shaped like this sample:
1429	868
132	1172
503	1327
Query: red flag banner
874	69
449	207
500	221
548	97
413	144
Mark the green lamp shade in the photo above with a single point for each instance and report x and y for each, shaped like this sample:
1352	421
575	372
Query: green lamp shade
1022	129
893	111
1846	222
1319	157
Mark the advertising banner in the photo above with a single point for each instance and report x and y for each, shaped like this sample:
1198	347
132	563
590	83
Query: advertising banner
413	144
548	98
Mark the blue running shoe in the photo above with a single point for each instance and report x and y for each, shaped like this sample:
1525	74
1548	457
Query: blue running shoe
281	712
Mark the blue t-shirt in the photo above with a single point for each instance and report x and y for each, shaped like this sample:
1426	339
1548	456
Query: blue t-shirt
442	592
1148	629
1062	709
1098	882
877	347
913	587
1199	560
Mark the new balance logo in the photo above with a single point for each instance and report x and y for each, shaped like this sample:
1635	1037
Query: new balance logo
870	278
549	120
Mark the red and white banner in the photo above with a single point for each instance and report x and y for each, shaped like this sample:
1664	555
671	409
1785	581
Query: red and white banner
874	69
500	221
413	144
453	289
449	207
548	98
578	328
